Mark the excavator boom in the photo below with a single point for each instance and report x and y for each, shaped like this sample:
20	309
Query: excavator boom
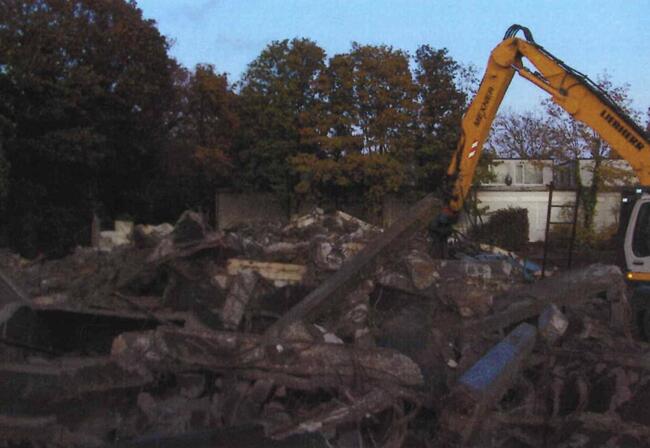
570	89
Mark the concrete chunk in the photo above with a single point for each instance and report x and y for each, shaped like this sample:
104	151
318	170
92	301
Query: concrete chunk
482	386
491	375
238	297
190	227
552	324
280	274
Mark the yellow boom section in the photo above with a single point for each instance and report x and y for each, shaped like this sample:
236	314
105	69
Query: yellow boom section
571	90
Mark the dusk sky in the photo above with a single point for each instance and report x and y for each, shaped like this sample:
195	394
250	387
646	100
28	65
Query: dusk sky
593	37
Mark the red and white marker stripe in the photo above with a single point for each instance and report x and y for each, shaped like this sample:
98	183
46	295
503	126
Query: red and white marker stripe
472	153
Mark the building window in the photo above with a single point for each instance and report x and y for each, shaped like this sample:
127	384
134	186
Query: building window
533	174
564	174
519	174
528	174
641	237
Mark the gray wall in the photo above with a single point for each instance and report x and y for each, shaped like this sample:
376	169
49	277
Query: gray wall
236	208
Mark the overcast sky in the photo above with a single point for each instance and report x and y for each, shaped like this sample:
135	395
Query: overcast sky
591	36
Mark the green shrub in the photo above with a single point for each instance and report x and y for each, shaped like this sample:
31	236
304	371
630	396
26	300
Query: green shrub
506	228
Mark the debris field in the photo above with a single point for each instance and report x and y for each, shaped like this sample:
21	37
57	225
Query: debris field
326	332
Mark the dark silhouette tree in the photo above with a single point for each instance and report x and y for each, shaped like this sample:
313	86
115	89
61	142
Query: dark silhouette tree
85	85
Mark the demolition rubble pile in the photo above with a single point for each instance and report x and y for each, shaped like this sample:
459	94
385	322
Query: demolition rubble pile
326	332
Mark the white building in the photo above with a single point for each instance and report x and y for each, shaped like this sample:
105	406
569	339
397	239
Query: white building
524	183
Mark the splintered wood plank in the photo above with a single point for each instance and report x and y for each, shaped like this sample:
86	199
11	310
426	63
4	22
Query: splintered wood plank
283	272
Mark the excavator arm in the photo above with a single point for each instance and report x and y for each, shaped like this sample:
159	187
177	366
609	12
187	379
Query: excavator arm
571	90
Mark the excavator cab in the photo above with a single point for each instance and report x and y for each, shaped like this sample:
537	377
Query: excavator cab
636	254
634	234
637	240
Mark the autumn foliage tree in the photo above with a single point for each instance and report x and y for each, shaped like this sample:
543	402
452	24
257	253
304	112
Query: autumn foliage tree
213	113
360	129
395	127
443	89
277	93
384	98
198	156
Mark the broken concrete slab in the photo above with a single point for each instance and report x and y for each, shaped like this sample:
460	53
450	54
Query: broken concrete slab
422	269
190	227
292	363
145	236
18	322
325	255
241	292
329	415
299	222
552	324
470	301
480	388
12	298
281	274
568	288
440	279
169	250
401	282
108	240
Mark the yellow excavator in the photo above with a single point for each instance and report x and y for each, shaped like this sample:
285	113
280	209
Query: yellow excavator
582	99
576	93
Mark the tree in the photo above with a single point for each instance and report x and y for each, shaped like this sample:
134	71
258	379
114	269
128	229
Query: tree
361	128
372	104
384	98
334	130
277	95
86	86
366	103
353	178
523	135
212	118
444	88
198	156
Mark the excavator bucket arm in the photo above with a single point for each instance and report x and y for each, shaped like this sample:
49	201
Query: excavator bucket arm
570	89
